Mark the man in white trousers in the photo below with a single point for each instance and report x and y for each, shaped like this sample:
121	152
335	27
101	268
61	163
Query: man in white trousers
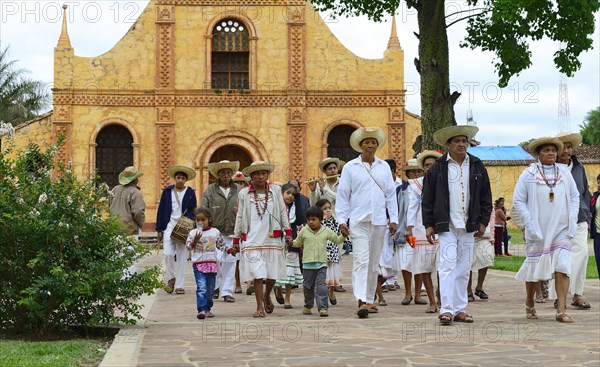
457	203
366	196
176	200
222	198
579	249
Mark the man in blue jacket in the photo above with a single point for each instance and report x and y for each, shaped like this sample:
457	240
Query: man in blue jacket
457	203
175	201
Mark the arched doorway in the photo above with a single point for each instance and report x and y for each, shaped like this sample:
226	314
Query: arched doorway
230	153
114	152
338	143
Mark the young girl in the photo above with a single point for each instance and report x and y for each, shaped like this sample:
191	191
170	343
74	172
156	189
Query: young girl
292	258
204	242
334	268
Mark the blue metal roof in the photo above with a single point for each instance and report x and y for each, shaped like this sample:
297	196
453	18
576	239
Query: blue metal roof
501	153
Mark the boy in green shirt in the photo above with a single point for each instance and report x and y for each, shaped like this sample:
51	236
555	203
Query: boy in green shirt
313	239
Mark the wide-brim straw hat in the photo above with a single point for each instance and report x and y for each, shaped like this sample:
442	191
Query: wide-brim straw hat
426	154
129	175
574	138
258	166
543	141
363	133
411	165
325	162
443	135
179	168
239	177
215	167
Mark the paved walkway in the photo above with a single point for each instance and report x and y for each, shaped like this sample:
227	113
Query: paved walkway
396	336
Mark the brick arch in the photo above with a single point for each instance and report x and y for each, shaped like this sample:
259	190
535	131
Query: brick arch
252	45
94	135
330	127
220	139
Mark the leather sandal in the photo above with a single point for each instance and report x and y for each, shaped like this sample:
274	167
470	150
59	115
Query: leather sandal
563	317
463	317
580	303
228	299
530	313
269	307
445	318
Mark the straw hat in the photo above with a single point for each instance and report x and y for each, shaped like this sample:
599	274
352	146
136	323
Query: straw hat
363	133
325	162
185	169
239	177
574	138
411	165
258	166
443	135
543	141
215	167
129	175
426	154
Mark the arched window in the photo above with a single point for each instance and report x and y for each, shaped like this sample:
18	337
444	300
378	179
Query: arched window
338	143
230	56
114	152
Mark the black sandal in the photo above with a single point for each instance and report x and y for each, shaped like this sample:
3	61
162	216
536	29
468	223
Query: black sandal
481	294
471	298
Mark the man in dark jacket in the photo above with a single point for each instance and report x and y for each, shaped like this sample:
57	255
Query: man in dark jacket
222	198
175	201
579	248
457	203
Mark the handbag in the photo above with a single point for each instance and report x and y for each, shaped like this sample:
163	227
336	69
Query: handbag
183	226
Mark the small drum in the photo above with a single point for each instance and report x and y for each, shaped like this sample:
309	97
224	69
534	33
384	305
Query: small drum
182	229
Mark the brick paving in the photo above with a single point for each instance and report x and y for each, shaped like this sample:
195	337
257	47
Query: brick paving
396	336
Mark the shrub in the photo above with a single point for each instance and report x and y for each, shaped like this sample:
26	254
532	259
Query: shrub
62	256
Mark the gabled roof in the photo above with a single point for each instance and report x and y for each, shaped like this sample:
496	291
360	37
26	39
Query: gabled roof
33	120
588	154
502	155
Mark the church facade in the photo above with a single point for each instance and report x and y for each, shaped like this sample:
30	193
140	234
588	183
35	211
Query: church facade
198	81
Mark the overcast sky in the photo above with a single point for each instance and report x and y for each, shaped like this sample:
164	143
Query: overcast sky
527	108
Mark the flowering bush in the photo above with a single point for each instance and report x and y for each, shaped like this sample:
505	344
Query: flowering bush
62	256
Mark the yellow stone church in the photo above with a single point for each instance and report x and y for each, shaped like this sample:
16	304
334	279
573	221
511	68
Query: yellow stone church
198	81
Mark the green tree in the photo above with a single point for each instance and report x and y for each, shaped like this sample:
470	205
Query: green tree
501	26
62	255
590	128
21	98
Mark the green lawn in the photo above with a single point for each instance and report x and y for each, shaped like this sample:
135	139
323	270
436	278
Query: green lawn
63	353
513	263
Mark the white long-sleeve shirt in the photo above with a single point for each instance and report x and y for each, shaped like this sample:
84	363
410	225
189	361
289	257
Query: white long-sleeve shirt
458	188
365	192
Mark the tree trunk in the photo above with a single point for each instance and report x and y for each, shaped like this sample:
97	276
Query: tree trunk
437	105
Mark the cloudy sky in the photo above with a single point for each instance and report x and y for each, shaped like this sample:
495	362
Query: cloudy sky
527	108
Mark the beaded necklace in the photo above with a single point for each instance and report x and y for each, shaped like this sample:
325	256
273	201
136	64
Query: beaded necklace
264	209
550	185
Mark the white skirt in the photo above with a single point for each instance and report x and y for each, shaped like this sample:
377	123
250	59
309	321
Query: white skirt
483	254
262	263
292	266
419	260
541	263
334	270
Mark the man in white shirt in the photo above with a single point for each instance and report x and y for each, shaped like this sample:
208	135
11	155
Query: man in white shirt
365	191
457	203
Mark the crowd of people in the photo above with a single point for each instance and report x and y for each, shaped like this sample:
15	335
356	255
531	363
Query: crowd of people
438	225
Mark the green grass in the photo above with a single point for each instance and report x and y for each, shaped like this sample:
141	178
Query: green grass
63	353
513	263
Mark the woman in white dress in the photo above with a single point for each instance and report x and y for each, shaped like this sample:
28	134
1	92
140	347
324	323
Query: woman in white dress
547	201
261	223
424	253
